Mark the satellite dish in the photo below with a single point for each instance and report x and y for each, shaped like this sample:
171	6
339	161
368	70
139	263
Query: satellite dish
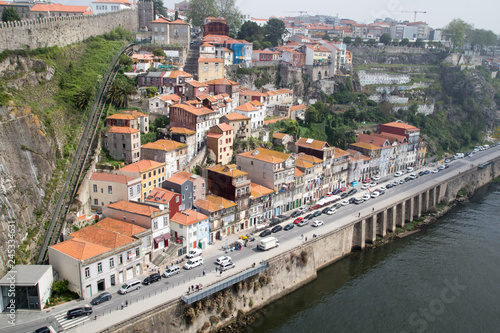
161	207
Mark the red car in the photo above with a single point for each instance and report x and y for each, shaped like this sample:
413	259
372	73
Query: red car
342	189
315	207
298	219
367	180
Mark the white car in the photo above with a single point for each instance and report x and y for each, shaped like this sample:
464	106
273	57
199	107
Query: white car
332	211
317	223
412	176
376	178
395	183
366	197
375	194
373	184
345	203
194	253
222	260
441	167
192	263
365	186
409	169
383	188
398	174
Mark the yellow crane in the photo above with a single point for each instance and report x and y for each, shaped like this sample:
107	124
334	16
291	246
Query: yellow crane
415	12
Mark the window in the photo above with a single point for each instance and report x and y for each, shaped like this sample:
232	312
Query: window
99	267
96	202
131	191
137	252
155	225
128	255
120	259
110	189
95	188
87	272
111	262
165	221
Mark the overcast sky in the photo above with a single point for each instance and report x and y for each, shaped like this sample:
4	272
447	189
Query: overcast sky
483	14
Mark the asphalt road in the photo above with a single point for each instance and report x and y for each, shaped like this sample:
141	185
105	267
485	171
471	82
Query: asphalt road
247	255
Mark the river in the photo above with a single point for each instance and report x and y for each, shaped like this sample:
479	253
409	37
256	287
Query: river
445	278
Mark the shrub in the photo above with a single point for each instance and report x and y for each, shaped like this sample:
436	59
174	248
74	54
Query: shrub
190	315
225	313
60	287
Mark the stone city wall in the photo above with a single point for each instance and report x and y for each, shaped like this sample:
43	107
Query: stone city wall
62	31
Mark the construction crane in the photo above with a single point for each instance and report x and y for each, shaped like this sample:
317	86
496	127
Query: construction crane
415	12
296	11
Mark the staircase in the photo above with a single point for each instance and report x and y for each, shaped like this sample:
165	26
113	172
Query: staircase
168	254
191	65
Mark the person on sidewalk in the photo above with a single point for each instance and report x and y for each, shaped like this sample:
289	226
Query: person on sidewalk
203	272
122	305
126	302
220	271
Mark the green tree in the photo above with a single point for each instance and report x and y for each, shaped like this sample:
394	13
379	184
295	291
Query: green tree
405	42
83	97
395	42
9	14
159	8
386	39
176	17
312	115
419	43
158	52
327	37
125	60
60	287
274	31
119	92
199	9
228	10
358	41
454	32
250	31
347	40
371	42
335	39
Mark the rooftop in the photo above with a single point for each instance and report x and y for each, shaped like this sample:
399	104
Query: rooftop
236	116
121	130
110	177
266	155
188	217
142	166
312	143
26	274
164	145
133	207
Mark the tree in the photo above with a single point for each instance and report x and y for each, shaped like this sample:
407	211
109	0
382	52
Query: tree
274	31
347	40
9	14
371	42
419	43
228	10
250	31
83	97
125	60
336	39
327	37
358	41
159	8
395	42
405	42
158	52
199	9
454	32
386	39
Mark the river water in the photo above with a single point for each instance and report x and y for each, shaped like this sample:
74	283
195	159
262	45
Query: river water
445	278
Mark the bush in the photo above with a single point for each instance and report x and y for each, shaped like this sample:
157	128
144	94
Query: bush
60	287
225	313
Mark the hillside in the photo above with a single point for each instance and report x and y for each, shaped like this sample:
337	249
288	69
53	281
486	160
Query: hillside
40	127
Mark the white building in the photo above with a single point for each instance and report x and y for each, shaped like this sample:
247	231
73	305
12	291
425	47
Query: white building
108	6
192	228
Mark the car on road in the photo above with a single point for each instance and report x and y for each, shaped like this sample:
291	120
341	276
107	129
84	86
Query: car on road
353	191
282	217
374	194
303	223
344	195
298	219
78	312
289	226
317	213
325	210
398	174
106	296
409	169
194	253
395	183
265	233
222	260
243	237
358	201
337	206
151	279
421	173
366	197
407	179
413	176
382	188
195	262
276	228
441	167
345	203
317	223
295	214
307	217
366	180
336	191
227	265
376	178
373	184
389	185
302	209
380	191
365	186
426	172
435	171
402	181
171	271
315	207
332	211
44	329
351	200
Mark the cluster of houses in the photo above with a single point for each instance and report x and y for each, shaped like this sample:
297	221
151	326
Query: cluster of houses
153	208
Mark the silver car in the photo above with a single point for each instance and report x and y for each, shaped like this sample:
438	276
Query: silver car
227	265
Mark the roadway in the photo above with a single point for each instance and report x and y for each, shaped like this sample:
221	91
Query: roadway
170	288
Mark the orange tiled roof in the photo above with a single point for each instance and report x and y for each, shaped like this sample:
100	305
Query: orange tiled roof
188	217
214	135
246	107
275	120
298	107
230	170
222	81
103	237
256	103
298	173
126	2
315	144
391	137
142	166
207	205
109	177
80	249
121	130
197	84
251	93
122	116
181	177
171	97
365	145
303	164
220	201
257	190
176	74
266	155
134	113
182	130
133	207
372	139
161	20
339	152
407	127
165	145
309	158
194	110
178	21
224	127
121	227
278	135
236	116
160	195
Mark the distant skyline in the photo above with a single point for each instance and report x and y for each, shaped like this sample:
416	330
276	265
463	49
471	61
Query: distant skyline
483	14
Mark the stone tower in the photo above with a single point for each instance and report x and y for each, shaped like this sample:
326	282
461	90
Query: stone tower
146	14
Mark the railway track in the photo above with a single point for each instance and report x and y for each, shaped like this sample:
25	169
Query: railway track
81	157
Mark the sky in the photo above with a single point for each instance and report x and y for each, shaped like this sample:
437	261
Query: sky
482	14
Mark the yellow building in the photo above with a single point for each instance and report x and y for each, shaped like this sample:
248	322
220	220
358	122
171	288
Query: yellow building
152	175
210	69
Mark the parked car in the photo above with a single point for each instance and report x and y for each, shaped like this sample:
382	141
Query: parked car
337	206
152	278
332	211
303	223
407	179
409	169
282	217
398	174
352	200
365	186
222	260
421	173
441	167
402	181
195	262
317	223
315	207
345	203
435	171
227	265
373	184
298	219
374	194
276	228
336	191
194	253
302	209
358	201
353	191
265	233
366	197
325	210
171	271
366	180
317	213
295	214
426	172
381	192
344	195
376	178
389	186
78	312
382	188
105	296
44	329
307	217
413	176
289	226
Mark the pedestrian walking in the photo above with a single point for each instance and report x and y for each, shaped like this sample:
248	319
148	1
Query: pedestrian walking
203	272
373	209
306	238
220	271
122	305
192	288
302	236
215	269
359	214
126	302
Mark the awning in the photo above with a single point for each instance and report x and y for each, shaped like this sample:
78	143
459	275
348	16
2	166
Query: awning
162	238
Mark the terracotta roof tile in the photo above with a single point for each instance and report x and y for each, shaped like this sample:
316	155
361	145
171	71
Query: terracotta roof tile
188	217
171	97
121	130
164	145
257	190
103	237
161	195
210	60
132	207
236	116
266	155
121	116
246	107
142	166
298	173
275	120
182	130
278	135
311	143
80	249
230	170
298	107
110	177
407	127
121	227
197	84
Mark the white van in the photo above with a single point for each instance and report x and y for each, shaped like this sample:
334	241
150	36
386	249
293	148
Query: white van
194	253
194	262
130	286
171	271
